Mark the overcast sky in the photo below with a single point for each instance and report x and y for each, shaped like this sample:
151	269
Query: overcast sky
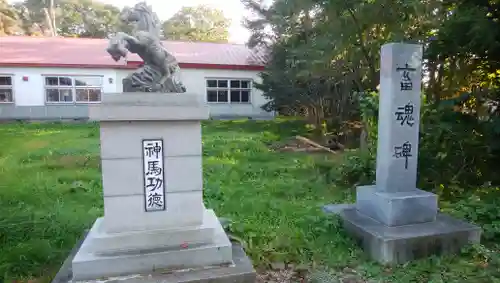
232	9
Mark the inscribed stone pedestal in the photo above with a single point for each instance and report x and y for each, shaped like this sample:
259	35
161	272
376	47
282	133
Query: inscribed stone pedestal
154	217
395	221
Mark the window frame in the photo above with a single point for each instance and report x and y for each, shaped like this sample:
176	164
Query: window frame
229	89
73	87
11	87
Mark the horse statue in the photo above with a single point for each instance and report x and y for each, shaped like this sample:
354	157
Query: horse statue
160	72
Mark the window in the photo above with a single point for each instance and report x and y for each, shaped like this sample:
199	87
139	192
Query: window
229	90
6	89
78	89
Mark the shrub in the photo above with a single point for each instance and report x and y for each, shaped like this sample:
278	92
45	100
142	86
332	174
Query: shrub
355	168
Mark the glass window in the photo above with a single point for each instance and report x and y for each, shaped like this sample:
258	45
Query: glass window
228	90
51	81
222	83
78	89
245	84
245	96
6	89
211	95
88	81
6	95
94	95
222	96
235	84
52	95
235	95
65	81
65	95
82	95
5	80
211	83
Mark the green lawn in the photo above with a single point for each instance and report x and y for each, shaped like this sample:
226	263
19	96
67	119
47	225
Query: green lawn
50	191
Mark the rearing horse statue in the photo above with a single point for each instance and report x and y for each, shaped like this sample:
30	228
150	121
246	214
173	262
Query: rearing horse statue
160	72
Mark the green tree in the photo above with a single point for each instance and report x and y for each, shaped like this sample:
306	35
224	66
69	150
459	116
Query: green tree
74	18
328	51
323	62
9	23
199	23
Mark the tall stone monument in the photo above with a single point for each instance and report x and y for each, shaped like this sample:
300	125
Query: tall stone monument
394	220
155	226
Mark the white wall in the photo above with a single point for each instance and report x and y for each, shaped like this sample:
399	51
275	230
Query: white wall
31	92
195	82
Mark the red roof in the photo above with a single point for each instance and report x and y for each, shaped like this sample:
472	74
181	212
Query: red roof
91	53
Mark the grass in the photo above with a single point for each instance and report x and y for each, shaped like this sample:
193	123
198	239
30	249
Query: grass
50	191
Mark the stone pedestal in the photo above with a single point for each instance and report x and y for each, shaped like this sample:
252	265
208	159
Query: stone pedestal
394	221
154	216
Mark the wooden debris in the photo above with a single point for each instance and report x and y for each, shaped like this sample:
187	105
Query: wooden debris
312	143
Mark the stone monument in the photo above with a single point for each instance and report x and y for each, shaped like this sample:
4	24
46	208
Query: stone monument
155	226
395	221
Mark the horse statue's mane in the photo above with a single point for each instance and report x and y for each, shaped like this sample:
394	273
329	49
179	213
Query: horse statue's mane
147	20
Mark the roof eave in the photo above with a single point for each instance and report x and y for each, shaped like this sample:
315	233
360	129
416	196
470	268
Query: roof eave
133	65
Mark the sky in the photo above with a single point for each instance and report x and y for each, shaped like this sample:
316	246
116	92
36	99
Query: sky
232	9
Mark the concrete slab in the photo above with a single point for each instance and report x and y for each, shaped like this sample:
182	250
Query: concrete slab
397	208
337	208
241	271
149	107
400	244
87	265
112	243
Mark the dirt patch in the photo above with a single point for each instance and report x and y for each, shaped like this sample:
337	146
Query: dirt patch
302	144
346	275
300	274
293	145
280	276
35	144
73	161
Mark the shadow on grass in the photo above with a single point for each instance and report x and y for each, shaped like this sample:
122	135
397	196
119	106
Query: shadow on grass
281	127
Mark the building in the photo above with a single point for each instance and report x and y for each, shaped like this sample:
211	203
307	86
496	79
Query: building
57	78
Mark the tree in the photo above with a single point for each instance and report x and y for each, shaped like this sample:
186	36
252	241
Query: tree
324	63
29	27
76	18
199	23
328	51
9	23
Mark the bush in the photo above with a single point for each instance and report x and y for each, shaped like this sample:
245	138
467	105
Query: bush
454	152
457	151
481	210
356	168
459	155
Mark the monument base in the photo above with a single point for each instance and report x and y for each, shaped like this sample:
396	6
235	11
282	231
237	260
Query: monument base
106	255
397	208
400	244
241	271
